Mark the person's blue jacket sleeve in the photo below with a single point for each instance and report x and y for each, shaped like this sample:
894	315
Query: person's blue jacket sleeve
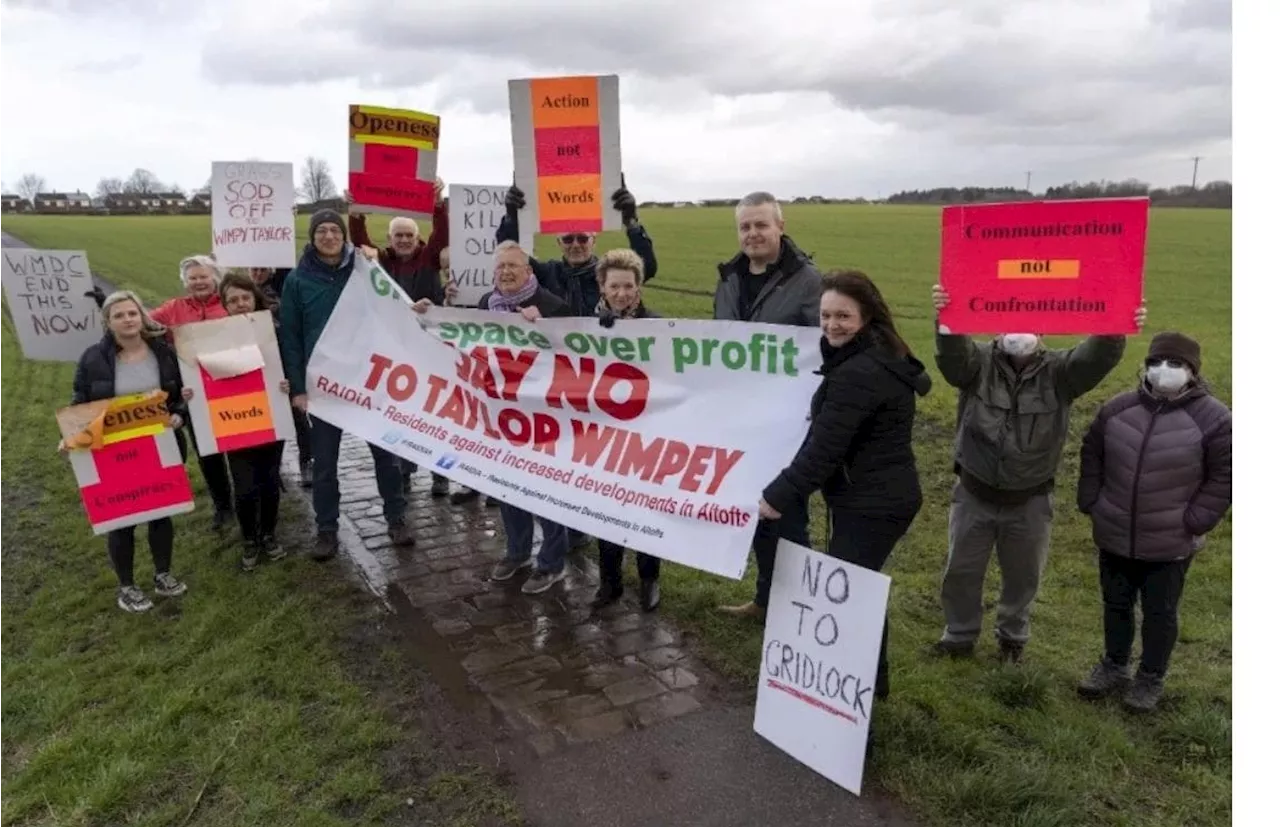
292	337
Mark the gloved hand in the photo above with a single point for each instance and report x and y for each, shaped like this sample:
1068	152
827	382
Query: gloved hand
514	200
607	319
625	203
97	295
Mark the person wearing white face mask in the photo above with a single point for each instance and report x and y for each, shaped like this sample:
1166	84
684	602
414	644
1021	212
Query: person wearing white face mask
1011	428
1155	478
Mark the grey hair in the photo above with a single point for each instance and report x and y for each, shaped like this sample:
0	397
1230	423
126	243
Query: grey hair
403	219
199	261
151	329
758	199
510	245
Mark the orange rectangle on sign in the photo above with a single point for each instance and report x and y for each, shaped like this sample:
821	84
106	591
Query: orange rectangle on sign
563	197
571	101
242	414
1037	269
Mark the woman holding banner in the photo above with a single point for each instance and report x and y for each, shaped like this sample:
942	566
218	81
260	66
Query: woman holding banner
620	274
133	357
858	449
255	471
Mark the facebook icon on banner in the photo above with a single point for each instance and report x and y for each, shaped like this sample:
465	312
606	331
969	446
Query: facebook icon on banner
447	461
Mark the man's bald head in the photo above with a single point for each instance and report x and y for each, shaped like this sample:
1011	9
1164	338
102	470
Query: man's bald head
402	234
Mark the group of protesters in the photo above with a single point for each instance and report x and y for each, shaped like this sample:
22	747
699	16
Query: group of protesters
1155	474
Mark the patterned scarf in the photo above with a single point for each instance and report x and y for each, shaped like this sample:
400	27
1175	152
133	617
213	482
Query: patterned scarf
502	303
632	312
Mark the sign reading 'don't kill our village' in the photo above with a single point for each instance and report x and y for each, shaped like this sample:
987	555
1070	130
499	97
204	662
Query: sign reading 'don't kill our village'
1047	267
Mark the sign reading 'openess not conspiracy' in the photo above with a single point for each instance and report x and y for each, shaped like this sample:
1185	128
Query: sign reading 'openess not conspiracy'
1049	267
568	159
634	434
392	164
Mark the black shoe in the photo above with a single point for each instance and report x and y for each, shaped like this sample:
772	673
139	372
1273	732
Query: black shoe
1011	651
650	595
326	547
221	518
400	534
466	495
606	595
953	648
406	481
304	471
439	486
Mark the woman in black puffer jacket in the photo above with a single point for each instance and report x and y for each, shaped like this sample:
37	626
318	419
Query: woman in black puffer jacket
620	274
858	449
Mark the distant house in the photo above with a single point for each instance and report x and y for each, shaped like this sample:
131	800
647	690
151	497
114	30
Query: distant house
51	201
77	201
14	203
170	201
201	201
121	202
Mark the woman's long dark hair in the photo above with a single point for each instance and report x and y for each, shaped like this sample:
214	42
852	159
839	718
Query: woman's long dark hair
877	320
241	281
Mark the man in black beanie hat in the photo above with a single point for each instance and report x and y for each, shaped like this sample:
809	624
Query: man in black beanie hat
310	294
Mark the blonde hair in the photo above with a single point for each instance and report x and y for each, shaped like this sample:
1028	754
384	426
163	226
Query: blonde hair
620	259
151	329
191	262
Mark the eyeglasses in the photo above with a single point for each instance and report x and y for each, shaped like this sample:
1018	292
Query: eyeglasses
575	238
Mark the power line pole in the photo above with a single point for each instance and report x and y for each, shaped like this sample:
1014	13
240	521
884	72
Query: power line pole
1195	170
1028	180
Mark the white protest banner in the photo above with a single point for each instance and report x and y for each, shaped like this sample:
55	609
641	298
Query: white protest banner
233	367
253	222
658	434
475	211
818	665
46	289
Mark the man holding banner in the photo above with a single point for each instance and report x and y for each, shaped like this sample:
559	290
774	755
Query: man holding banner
1015	409
310	294
416	266
771	281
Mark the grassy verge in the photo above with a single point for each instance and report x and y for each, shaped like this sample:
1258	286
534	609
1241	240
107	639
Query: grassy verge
967	743
253	700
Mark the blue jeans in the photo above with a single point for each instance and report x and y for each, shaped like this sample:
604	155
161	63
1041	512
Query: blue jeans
518	526
793	525
326	440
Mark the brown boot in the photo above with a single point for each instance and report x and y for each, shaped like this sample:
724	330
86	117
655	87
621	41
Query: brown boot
750	610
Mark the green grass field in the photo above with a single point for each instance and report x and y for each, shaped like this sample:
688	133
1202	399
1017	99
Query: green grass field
970	743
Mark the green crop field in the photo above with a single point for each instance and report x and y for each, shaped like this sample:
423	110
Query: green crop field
963	743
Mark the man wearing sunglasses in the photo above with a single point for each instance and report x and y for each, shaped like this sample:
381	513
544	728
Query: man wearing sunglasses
572	277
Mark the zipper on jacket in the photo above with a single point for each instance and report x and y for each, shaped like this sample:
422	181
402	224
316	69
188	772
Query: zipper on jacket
1137	475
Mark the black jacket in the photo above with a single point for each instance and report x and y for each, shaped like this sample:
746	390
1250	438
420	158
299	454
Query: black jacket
858	450
549	304
96	377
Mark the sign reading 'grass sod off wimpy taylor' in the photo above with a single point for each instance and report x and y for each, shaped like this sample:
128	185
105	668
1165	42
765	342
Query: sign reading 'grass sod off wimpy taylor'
632	434
1049	267
566	134
253	214
392	163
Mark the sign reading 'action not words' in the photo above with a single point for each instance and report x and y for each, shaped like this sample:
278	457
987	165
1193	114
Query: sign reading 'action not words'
1047	267
46	290
818	665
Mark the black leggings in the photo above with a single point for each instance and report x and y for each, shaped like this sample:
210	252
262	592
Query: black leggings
867	542
256	472
214	469
120	545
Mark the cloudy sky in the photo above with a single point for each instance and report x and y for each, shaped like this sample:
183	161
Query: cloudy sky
719	97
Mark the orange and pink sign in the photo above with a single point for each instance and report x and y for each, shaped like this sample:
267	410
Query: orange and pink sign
1048	267
126	461
568	160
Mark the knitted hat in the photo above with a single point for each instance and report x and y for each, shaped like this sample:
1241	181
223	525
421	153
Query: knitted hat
326	216
1170	345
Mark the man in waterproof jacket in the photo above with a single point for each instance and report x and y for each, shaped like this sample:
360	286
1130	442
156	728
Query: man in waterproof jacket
310	294
772	281
1011	426
415	266
572	277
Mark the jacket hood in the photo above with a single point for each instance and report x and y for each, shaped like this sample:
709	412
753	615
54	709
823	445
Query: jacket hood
908	370
790	259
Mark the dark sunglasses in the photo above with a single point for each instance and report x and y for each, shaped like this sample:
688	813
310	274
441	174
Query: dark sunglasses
575	238
1173	363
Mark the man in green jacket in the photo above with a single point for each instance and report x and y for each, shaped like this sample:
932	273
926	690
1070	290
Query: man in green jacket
310	294
1011	427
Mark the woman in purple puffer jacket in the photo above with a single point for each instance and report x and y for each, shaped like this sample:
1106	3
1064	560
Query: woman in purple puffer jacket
1155	478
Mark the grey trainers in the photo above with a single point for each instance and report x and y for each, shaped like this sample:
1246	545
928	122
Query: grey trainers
540	581
169	586
249	555
132	599
1107	678
506	569
271	547
1144	694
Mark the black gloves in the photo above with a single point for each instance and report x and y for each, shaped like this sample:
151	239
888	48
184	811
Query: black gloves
514	200
607	318
97	295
